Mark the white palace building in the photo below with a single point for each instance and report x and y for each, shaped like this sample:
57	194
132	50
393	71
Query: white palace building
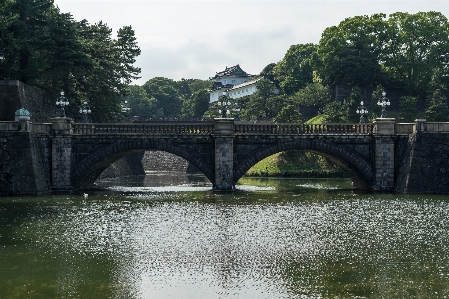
234	82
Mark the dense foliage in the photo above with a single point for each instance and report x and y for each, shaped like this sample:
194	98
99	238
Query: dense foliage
50	50
404	52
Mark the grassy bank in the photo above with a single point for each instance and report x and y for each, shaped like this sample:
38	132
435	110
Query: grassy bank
295	164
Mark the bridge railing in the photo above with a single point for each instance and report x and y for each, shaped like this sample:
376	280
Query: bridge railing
9	126
437	127
145	128
285	129
404	128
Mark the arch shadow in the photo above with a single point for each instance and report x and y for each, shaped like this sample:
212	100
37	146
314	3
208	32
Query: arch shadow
355	166
85	174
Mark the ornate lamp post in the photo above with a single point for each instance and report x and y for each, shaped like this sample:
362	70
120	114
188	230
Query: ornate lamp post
125	107
362	111
62	101
125	110
384	102
84	110
224	106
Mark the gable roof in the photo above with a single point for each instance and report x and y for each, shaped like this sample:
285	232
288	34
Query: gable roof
252	82
231	71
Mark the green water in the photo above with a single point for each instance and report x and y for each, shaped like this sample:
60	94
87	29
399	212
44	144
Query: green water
169	236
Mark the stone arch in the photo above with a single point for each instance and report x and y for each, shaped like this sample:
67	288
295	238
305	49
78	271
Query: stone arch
355	166
85	174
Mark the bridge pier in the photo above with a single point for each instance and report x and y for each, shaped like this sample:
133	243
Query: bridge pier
384	154
224	154
61	153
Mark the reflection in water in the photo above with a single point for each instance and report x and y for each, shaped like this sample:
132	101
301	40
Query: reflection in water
273	238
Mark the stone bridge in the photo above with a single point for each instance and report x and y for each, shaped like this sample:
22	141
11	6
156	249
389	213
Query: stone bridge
383	156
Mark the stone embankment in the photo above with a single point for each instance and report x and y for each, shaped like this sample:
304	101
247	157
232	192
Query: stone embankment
425	164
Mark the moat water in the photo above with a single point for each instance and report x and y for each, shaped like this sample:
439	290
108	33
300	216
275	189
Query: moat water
170	236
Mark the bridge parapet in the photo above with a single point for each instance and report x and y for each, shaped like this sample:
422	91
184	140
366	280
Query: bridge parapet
9	126
144	128
421	125
404	128
288	129
437	127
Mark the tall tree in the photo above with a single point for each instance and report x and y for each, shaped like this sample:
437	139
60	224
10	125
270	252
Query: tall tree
48	49
418	45
294	71
348	53
128	51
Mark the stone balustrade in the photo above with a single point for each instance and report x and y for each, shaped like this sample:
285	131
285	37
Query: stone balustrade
144	128
404	128
437	127
282	129
240	128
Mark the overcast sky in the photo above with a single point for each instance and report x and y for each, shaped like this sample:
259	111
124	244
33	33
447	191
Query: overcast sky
196	39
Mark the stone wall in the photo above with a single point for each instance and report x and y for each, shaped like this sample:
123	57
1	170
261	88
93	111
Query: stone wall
425	164
24	164
130	165
164	161
15	95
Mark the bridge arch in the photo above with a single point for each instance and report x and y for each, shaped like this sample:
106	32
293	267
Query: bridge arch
355	166
90	168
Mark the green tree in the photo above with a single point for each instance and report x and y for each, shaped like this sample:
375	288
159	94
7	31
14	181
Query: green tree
437	109
48	49
22	60
197	105
409	109
315	95
294	71
337	112
417	46
260	103
198	84
334	113
348	53
288	114
165	91
140	103
268	73
128	51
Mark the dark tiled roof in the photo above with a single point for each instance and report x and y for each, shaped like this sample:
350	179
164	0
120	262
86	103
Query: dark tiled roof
231	71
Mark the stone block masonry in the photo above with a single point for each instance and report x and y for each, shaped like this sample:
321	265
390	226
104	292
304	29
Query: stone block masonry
24	164
425	164
384	156
15	95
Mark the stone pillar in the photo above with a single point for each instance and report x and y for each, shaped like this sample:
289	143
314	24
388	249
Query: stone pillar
61	153
224	154
384	154
420	126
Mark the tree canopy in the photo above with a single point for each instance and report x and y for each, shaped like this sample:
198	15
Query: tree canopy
76	57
